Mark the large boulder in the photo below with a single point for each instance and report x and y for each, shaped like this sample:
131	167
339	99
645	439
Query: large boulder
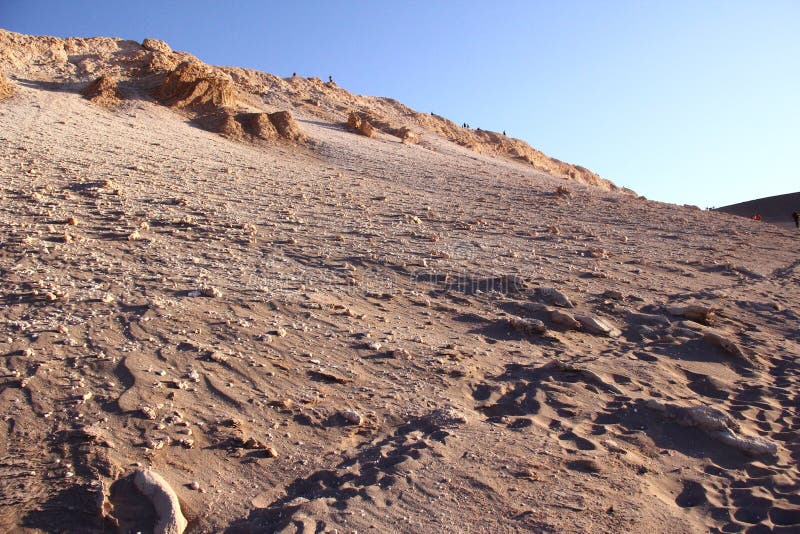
229	126
196	86
258	125
164	500
407	135
252	126
103	91
156	45
361	125
159	62
286	126
161	57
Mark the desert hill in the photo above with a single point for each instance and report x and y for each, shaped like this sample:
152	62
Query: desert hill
224	310
82	60
776	210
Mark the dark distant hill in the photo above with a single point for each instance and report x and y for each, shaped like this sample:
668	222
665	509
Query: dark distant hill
775	210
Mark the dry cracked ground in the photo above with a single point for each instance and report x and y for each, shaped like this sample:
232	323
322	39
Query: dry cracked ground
362	334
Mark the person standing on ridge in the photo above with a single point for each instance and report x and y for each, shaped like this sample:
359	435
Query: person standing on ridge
796	217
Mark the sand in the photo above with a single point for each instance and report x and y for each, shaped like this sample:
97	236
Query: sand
361	334
774	210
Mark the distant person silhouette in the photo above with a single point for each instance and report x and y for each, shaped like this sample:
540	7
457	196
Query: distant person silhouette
796	217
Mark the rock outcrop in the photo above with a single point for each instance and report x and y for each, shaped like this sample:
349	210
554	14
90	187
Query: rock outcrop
359	124
286	126
254	126
6	87
103	91
197	87
488	142
229	126
258	125
367	122
156	45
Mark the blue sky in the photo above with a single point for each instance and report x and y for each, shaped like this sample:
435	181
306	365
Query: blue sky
692	102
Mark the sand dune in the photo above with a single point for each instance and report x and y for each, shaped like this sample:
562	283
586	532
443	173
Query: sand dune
348	333
776	210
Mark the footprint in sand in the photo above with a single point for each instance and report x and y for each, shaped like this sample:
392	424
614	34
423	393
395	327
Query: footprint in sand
579	442
693	494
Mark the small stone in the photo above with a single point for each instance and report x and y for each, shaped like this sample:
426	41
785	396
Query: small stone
597	252
210	291
555	297
597	326
194	485
253	443
564	319
156	444
217	357
694	312
447	417
351	416
527	326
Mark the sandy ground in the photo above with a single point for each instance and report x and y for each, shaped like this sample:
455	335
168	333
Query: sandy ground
361	335
774	210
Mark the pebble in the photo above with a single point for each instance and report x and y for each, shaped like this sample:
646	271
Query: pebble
352	416
210	291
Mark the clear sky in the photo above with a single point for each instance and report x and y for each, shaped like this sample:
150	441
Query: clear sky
692	102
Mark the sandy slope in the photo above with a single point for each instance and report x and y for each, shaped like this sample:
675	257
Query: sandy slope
776	210
357	369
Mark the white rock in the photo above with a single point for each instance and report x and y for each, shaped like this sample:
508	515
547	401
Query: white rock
564	319
164	500
352	416
555	297
527	326
597	326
